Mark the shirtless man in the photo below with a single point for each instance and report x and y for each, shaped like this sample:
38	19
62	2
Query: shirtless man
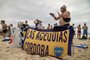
79	31
85	30
64	18
4	27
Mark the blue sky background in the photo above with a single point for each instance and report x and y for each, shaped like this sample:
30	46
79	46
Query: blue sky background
14	11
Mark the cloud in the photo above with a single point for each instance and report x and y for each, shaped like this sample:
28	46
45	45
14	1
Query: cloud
17	10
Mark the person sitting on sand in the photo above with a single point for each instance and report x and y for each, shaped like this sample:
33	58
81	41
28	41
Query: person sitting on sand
79	31
85	30
64	18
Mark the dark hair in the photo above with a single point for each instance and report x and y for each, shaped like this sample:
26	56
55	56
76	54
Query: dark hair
79	25
11	24
73	24
48	24
26	21
84	23
2	21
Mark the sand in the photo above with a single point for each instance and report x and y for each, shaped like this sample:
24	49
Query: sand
9	53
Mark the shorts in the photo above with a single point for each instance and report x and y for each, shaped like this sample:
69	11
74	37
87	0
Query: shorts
4	31
79	32
85	32
67	19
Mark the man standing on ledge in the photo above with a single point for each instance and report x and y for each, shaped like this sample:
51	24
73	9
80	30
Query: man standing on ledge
64	18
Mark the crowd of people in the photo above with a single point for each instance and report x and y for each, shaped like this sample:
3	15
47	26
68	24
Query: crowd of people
39	25
79	32
14	33
64	22
63	17
8	30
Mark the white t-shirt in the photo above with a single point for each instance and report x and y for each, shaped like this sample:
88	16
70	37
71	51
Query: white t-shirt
39	26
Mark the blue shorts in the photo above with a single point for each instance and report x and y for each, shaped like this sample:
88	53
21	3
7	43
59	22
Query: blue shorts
85	32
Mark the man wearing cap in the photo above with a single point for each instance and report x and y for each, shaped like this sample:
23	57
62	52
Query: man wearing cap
64	18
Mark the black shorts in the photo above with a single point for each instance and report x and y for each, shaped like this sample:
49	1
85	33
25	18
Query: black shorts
4	31
67	19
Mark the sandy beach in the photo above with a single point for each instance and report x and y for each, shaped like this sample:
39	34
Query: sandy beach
9	53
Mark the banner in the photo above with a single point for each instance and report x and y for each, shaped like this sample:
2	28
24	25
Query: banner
48	43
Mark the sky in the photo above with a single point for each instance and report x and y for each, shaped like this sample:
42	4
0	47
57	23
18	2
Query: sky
13	11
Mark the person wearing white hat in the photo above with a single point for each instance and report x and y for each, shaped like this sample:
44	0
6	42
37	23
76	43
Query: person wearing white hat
38	24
